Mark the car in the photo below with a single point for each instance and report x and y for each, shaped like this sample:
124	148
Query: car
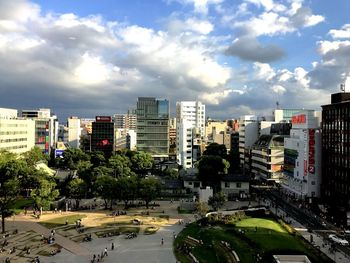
338	240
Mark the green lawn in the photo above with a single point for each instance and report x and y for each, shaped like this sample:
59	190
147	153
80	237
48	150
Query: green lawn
21	203
248	237
60	221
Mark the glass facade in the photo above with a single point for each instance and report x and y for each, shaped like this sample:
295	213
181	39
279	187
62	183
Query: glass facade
153	126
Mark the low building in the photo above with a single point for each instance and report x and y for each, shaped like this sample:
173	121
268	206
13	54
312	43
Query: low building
267	158
235	186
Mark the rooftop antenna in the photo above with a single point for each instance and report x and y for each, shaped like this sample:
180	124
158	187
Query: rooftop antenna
277	105
342	87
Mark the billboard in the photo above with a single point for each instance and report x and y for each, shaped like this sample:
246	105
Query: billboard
103	119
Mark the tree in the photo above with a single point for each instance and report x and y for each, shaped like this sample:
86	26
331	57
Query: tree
44	192
149	189
201	208
97	159
71	158
11	169
233	159
216	149
217	201
77	189
171	173
141	162
127	189
34	156
105	186
121	165
211	169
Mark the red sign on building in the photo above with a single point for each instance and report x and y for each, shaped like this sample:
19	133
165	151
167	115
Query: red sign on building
299	119
311	167
103	119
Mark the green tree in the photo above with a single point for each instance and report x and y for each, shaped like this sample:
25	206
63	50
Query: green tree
149	189
44	192
217	200
11	169
121	165
72	157
127	189
34	156
105	186
216	149
141	162
77	189
211	169
97	159
201	208
171	173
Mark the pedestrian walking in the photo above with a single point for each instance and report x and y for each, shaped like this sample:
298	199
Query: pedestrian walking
98	258
112	247
105	253
162	242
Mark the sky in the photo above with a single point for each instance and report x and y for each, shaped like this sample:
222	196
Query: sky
96	57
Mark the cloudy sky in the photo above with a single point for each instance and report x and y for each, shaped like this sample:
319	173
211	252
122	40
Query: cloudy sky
91	57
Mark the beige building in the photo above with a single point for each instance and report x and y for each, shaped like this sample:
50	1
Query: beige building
214	127
16	135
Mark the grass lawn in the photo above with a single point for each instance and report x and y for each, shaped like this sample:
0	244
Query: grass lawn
60	221
247	237
21	203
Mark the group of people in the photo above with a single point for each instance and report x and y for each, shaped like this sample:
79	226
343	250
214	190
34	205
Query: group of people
100	257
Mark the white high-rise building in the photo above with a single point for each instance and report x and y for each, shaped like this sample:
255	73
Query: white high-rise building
74	132
190	124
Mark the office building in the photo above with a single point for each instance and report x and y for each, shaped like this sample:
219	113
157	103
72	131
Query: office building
102	137
74	132
153	126
335	186
302	157
190	126
16	134
125	121
46	128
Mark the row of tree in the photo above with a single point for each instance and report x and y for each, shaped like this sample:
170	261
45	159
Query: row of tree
19	176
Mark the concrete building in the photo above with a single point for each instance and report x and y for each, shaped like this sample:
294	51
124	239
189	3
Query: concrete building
285	115
302	156
213	127
125	121
235	186
248	134
46	128
153	126
172	136
267	156
125	139
190	125
74	132
16	134
336	157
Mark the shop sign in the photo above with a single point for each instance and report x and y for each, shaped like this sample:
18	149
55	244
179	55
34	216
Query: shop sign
311	167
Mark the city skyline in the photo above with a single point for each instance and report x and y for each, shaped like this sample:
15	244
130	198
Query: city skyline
96	58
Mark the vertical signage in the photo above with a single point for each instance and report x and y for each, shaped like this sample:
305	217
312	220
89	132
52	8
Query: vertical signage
311	167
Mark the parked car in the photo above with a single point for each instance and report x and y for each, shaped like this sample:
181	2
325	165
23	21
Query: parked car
338	240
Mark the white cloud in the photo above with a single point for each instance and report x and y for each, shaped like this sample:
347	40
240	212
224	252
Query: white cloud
200	6
344	32
278	89
192	24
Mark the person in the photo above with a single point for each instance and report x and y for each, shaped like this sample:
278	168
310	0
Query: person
162	242
105	252
98	258
112	246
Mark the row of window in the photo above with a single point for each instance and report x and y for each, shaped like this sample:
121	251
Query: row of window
13	140
12	125
14	147
12	132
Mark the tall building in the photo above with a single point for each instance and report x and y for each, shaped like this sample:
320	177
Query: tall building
46	128
248	134
153	126
125	121
213	127
172	136
190	126
74	132
285	115
335	186
16	134
102	137
302	156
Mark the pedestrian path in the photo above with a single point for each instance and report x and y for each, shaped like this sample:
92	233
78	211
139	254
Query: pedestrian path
66	243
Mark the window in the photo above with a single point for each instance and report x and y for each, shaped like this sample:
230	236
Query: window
313	182
227	185
238	185
190	183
